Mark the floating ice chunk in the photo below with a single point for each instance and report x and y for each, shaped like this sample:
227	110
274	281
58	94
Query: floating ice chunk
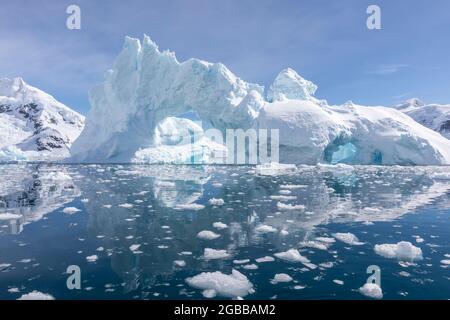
339	282
265	259
126	205
216	202
243	261
263	228
275	169
70	210
284	232
207	235
284	206
36	295
212	254
230	286
134	247
219	225
315	245
180	263
292	186
251	266
445	262
348	238
85	200
326	240
371	290
292	255
283	197
403	250
189	206
281	277
92	258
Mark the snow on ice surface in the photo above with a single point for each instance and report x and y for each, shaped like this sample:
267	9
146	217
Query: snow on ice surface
36	295
217	283
281	277
348	238
292	255
371	290
212	254
207	235
34	125
147	86
403	250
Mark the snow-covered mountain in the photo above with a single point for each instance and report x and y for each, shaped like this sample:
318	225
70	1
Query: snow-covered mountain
147	86
33	125
433	116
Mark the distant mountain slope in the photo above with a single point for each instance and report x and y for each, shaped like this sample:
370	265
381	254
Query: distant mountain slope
34	126
433	116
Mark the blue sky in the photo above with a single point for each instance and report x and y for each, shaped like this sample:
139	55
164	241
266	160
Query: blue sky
326	41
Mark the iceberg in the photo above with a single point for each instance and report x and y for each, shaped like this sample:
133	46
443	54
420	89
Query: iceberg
139	112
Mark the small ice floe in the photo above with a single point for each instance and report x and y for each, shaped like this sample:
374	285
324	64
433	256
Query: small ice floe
186	253
207	235
371	290
217	184
242	261
275	169
92	258
134	247
217	283
445	262
180	263
250	266
126	205
216	202
189	206
348	238
264	228
299	287
314	245
212	254
292	255
70	210
100	249
107	206
281	277
403	251
419	239
219	225
13	290
339	282
265	259
85	200
284	232
292	186
326	265
283	197
286	206
325	240
36	295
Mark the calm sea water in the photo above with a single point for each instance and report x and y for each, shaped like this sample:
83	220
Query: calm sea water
124	226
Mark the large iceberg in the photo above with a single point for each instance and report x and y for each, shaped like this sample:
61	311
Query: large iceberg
149	91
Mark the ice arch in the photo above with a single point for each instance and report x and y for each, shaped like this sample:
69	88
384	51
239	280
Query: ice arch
147	86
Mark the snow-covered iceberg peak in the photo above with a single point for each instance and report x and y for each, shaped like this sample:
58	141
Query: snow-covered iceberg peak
290	85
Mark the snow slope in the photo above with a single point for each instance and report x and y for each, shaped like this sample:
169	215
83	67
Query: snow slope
147	86
433	116
33	125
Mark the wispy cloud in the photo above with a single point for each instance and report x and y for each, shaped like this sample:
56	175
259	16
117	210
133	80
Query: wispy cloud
387	69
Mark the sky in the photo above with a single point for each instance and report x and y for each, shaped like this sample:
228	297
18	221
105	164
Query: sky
325	41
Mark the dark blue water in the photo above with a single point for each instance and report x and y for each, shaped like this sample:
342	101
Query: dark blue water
138	220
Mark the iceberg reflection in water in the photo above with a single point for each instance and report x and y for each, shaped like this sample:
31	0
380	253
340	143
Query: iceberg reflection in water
136	231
